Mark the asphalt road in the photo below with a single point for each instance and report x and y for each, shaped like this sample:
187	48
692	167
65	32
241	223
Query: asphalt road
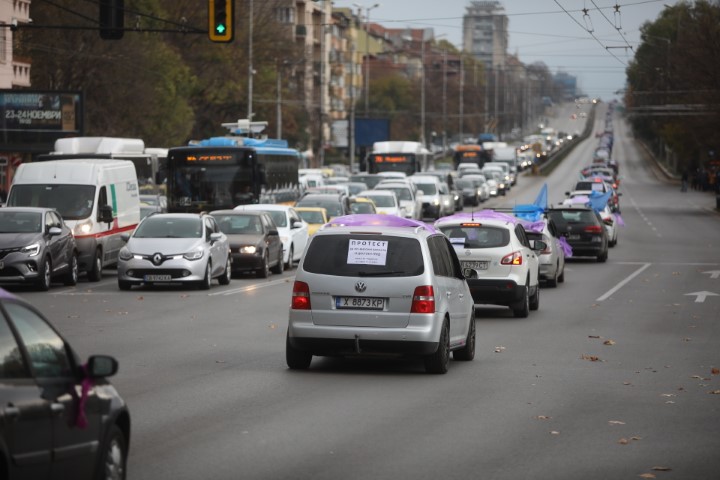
611	378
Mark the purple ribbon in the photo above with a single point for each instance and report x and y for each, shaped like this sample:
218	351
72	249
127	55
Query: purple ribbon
477	216
87	383
378	220
619	220
566	248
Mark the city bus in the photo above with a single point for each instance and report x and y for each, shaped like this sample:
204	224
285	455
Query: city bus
224	172
406	157
468	154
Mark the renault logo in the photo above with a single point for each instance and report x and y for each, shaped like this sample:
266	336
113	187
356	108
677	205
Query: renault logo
360	287
157	258
468	253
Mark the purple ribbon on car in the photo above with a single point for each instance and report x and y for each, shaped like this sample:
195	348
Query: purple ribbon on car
87	383
566	248
619	220
371	220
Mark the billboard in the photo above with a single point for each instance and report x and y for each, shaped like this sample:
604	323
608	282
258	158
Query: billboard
371	130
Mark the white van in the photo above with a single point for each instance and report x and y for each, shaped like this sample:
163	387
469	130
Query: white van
98	199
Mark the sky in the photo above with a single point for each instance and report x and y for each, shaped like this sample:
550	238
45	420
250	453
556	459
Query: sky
548	31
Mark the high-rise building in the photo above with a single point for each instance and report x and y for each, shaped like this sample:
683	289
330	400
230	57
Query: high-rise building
485	32
14	71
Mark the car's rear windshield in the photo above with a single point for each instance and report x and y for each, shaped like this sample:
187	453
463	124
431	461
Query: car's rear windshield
334	209
563	218
382	200
592	186
477	236
363	255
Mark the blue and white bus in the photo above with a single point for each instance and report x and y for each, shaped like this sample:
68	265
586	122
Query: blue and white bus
224	172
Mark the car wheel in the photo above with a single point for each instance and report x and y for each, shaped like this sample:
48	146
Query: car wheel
279	268
602	258
207	279
290	262
552	282
612	243
71	278
264	272
124	285
439	361
114	458
522	309
535	299
296	359
44	278
467	353
561	277
227	273
95	273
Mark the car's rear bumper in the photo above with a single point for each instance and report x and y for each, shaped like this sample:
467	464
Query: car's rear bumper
496	292
361	346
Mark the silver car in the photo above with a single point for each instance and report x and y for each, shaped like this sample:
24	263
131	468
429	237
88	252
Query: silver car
380	289
175	248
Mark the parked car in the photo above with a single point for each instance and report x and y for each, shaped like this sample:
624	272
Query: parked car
61	417
499	261
36	247
380	285
293	231
315	217
584	230
385	201
254	240
183	248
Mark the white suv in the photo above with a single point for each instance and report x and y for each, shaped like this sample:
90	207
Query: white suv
380	284
499	261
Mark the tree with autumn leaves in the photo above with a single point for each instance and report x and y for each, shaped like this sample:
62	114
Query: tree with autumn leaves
673	94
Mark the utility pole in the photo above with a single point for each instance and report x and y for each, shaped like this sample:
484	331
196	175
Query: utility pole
444	100
462	107
278	110
351	122
422	92
251	71
323	83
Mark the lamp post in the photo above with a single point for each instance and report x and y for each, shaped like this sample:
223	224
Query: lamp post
367	55
251	71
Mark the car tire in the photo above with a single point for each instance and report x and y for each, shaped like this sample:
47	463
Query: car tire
114	458
561	277
207	279
602	258
71	278
467	353
279	268
612	243
439	361
553	282
44	276
95	272
290	262
522	309
226	276
264	272
296	359
534	303
124	285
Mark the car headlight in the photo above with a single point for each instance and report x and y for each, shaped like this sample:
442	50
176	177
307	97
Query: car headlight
125	254
251	249
31	250
83	228
194	255
436	202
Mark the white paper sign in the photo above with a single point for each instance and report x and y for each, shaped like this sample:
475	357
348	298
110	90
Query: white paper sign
458	240
367	252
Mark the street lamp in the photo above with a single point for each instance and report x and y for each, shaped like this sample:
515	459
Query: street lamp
251	71
367	54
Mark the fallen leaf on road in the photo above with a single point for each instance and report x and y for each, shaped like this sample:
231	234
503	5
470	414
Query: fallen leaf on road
141	298
499	349
623	441
184	295
635	438
696	376
662	469
592	358
608	342
686	339
554	432
670	402
73	316
667	395
542	417
273	326
593	336
616	422
627	383
647	475
220	361
714	392
715	371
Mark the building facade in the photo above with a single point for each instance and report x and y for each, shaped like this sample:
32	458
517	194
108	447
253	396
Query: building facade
485	32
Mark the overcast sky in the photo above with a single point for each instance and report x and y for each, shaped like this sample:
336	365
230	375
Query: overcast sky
542	30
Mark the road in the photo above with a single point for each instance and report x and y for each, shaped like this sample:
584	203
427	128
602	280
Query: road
611	378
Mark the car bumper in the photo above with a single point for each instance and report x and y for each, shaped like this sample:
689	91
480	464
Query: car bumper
136	271
246	262
496	291
547	271
430	210
19	268
420	337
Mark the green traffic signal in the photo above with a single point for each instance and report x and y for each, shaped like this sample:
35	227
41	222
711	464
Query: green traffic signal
220	20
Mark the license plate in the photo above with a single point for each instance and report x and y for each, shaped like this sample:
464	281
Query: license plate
478	265
158	278
573	237
362	303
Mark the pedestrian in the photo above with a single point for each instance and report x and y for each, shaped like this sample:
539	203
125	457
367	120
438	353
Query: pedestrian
685	178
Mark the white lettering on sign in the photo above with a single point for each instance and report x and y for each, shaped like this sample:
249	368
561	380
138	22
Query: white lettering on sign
367	252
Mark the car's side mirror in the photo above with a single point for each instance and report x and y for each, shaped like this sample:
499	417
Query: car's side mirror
106	214
420	193
297	225
273	232
99	366
538	245
215	236
567	194
54	231
125	237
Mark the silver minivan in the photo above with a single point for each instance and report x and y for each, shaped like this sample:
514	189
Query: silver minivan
380	285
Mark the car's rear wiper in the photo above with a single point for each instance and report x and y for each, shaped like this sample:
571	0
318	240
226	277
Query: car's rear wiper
379	274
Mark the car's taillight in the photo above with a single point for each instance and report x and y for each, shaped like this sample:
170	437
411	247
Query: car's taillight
514	258
547	249
608	221
593	229
423	300
300	296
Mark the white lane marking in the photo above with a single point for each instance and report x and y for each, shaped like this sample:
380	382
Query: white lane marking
248	288
701	296
622	284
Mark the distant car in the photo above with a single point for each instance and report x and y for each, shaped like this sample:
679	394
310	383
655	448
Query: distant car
500	263
369	179
436	200
36	247
182	248
336	204
552	257
481	184
584	230
385	201
409	200
61	418
293	230
362	205
159	201
390	286
470	192
315	217
255	244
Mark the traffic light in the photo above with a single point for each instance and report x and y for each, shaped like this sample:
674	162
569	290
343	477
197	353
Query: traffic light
112	19
220	16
